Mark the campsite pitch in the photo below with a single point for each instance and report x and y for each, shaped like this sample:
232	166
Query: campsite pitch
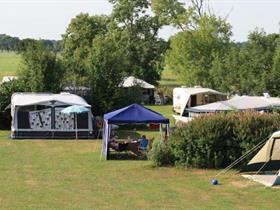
68	175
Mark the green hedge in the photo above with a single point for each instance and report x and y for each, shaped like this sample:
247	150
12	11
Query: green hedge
216	141
161	154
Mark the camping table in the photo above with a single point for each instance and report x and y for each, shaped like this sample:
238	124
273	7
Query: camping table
125	144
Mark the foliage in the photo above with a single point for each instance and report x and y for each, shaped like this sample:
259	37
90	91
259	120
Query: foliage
107	62
161	154
6	91
99	51
41	69
9	43
184	15
250	68
129	96
192	52
216	141
144	48
77	44
273	79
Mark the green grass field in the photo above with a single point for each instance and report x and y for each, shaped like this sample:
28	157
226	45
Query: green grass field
169	79
40	174
9	63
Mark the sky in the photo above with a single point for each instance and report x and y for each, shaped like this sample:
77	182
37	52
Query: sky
48	19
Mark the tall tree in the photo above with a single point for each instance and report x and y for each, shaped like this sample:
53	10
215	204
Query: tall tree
107	61
41	69
77	44
144	48
273	79
192	52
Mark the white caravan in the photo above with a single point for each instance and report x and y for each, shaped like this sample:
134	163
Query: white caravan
184	98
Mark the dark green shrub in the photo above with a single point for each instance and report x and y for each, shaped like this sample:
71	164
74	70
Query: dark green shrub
216	141
161	154
6	91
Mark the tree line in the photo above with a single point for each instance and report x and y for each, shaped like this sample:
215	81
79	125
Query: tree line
9	43
99	51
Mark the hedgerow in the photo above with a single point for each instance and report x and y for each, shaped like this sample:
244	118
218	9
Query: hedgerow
216	141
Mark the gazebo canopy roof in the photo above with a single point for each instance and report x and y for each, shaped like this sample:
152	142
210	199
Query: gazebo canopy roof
135	113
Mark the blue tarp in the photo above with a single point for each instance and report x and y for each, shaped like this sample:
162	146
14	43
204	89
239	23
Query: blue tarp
135	113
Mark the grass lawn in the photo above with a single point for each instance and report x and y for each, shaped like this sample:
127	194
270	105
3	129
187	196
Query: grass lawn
69	175
169	78
9	63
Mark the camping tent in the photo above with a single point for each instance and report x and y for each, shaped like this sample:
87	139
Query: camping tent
148	90
133	81
266	160
132	114
38	115
268	157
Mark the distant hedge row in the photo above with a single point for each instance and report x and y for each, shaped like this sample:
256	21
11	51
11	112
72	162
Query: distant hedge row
216	141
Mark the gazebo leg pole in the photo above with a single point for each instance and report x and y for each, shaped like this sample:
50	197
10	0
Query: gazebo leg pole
160	130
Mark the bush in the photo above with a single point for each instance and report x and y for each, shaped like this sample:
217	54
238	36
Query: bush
161	154
216	141
6	91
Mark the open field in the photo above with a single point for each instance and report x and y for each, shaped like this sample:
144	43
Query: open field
9	63
69	175
169	78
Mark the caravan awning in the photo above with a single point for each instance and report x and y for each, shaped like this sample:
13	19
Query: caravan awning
249	102
28	99
213	107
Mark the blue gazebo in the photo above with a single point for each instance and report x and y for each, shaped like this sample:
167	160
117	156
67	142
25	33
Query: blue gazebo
132	114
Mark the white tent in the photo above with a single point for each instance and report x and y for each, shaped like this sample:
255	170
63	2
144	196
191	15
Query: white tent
265	165
39	115
133	81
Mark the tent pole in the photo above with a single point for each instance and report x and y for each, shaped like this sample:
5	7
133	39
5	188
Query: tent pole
76	126
167	132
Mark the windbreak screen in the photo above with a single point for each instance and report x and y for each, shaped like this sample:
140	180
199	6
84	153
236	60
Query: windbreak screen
34	117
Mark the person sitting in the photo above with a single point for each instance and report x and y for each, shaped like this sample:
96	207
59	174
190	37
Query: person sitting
143	143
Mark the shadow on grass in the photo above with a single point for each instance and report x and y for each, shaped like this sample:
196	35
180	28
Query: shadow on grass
126	156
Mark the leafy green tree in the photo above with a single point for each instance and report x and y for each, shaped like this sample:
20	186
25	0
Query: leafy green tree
248	68
41	70
144	48
225	72
106	64
192	52
273	79
183	15
7	89
77	44
257	55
